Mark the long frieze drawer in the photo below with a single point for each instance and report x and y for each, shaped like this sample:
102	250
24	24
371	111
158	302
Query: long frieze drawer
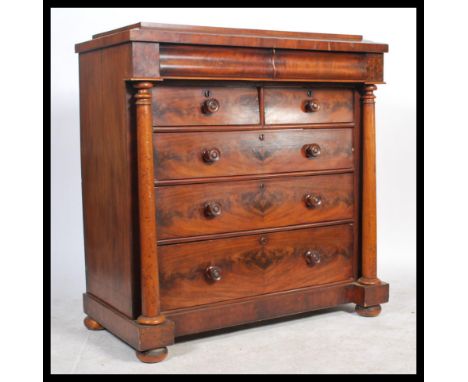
212	208
210	105
195	155
217	270
308	105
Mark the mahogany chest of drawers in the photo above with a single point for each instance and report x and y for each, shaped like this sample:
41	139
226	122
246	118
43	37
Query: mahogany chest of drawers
228	177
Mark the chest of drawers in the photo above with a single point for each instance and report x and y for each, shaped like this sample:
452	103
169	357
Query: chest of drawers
228	177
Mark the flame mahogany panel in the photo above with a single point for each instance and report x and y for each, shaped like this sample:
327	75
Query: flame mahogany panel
253	265
183	105
179	156
287	105
203	61
255	204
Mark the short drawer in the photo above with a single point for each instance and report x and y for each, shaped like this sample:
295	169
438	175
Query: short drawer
200	209
198	155
308	105
192	106
217	270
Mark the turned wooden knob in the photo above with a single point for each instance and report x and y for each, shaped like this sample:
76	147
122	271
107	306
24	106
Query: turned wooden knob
211	155
210	106
312	151
213	273
313	201
311	106
312	257
212	209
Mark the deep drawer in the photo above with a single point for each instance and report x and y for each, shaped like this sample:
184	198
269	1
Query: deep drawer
216	270
308	105
212	208
192	106
198	155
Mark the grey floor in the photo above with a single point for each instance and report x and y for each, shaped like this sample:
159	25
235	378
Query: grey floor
330	341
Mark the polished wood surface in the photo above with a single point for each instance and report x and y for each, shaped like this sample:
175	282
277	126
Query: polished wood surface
140	337
183	105
369	202
150	314
194	35
253	265
287	105
108	153
181	156
252	204
272	305
202	61
228	177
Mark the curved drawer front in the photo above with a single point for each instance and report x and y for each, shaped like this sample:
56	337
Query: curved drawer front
198	155
308	105
211	105
253	265
201	209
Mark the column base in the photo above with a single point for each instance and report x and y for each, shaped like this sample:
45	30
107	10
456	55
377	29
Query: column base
369	281
157	320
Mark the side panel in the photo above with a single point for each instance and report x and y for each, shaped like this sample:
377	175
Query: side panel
108	174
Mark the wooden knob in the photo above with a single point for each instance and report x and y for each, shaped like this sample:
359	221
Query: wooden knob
211	155
312	151
213	273
212	209
210	106
312	257
313	201
311	106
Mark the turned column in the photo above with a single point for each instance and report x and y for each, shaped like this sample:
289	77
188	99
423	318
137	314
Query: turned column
150	309
369	216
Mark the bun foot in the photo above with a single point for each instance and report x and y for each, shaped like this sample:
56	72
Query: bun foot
369	311
152	356
92	324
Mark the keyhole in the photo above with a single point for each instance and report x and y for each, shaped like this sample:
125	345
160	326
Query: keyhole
309	93
261	137
207	93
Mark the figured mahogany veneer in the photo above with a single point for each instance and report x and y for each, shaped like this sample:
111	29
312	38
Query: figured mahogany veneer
288	105
184	105
182	156
253	265
247	205
228	177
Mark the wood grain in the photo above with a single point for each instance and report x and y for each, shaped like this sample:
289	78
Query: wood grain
286	105
320	65
108	153
201	61
252	204
253	265
369	213
234	37
179	156
182	105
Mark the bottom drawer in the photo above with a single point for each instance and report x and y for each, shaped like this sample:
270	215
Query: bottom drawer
223	269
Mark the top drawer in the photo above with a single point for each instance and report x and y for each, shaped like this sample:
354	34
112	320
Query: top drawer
307	105
211	105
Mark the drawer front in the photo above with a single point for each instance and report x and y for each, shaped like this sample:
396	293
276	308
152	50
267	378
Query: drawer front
216	270
198	155
308	105
191	106
211	208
